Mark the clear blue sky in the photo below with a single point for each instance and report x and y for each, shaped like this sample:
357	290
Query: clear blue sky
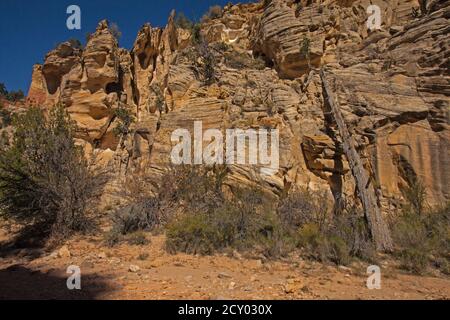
31	28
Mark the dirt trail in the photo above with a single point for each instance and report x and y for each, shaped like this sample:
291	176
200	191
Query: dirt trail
106	274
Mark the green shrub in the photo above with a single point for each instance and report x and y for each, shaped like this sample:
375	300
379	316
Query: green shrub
312	239
207	194
112	238
3	90
422	240
415	196
322	236
143	256
44	177
305	49
146	211
339	251
414	259
181	21
207	68
196	35
4	140
137	239
159	97
194	234
5	117
125	118
12	96
15	95
245	223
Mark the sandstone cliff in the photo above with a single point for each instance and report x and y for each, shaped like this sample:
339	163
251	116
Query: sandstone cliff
392	86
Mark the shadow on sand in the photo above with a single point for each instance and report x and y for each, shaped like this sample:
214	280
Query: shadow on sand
20	283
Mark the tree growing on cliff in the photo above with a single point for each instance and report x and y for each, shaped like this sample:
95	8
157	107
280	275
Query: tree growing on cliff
45	179
3	91
125	119
5	116
183	22
305	49
213	12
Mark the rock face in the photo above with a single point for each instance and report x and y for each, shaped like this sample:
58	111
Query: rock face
392	87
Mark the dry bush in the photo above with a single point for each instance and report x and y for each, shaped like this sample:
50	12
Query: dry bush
302	207
325	237
242	60
149	207
211	221
245	223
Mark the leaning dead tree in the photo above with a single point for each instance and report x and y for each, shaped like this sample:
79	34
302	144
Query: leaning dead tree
366	191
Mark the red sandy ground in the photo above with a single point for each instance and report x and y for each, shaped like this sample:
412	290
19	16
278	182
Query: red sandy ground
35	274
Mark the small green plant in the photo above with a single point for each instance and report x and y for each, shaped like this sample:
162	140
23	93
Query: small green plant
414	260
415	195
312	239
3	91
305	49
196	35
4	140
12	96
159	97
143	256
421	234
112	238
324	237
125	120
5	117
339	251
207	67
183	22
137	239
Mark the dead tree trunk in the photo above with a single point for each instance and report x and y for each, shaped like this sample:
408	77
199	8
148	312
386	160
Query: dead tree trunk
378	228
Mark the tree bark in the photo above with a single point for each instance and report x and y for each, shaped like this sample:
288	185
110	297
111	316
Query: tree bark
378	228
